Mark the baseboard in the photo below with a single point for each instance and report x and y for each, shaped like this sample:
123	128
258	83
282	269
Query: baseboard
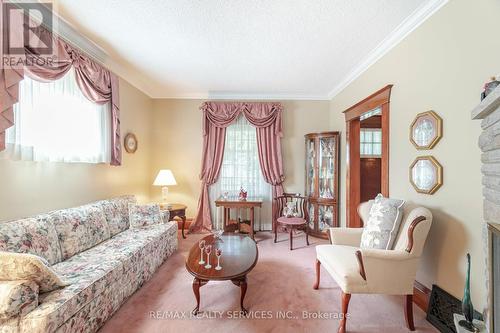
421	295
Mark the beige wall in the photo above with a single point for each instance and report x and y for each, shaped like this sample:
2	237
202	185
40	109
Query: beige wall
440	66
29	188
177	144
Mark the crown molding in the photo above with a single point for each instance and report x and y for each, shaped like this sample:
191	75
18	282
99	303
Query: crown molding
412	22
230	96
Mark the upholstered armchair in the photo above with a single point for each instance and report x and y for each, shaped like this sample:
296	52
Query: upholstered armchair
373	271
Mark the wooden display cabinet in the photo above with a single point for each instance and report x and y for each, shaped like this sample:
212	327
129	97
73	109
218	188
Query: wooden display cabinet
322	177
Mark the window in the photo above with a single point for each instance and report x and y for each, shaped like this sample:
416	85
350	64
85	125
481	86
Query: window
241	168
54	122
371	142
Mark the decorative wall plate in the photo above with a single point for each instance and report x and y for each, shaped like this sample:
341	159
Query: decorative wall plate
130	143
426	174
426	130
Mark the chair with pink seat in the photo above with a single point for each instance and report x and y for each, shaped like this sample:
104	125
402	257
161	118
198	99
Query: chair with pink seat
293	215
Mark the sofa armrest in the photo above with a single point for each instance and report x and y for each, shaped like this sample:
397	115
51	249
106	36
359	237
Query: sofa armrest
17	298
165	216
388	271
345	236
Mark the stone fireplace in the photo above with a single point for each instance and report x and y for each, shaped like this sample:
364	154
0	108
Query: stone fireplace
489	142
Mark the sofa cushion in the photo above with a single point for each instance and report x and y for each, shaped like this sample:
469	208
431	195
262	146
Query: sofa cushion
383	223
22	266
17	298
116	264
340	261
116	213
79	229
144	215
34	235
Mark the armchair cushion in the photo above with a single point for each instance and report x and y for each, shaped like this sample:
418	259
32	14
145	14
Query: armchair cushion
340	262
383	223
17	298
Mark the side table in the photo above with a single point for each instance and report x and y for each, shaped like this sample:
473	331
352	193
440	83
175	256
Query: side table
177	210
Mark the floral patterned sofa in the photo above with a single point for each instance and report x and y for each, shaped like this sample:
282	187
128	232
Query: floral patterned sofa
93	249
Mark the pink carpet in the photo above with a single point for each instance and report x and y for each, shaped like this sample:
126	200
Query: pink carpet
280	283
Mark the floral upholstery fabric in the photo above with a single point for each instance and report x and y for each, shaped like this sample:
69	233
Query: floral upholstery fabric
17	298
80	228
101	279
144	215
22	266
116	213
35	235
165	216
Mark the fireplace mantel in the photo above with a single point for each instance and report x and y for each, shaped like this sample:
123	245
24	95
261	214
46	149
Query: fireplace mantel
489	143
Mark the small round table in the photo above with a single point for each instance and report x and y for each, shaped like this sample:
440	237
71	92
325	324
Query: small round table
178	210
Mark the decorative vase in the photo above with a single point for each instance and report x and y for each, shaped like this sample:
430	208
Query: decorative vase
243	194
467	307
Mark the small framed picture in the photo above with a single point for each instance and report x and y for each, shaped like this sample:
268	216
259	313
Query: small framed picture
130	143
426	130
426	174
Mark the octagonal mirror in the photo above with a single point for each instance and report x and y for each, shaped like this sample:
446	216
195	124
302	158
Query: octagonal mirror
426	130
426	174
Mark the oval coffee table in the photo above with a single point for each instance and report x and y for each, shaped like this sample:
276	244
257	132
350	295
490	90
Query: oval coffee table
239	257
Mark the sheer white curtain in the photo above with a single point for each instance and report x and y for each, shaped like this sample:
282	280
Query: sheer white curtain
54	122
241	168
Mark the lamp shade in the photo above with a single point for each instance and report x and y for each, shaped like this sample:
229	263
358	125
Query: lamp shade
165	178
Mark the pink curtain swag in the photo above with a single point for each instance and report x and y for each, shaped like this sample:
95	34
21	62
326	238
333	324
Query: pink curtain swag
97	83
267	119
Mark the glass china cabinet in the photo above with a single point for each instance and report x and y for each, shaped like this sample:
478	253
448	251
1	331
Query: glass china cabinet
322	174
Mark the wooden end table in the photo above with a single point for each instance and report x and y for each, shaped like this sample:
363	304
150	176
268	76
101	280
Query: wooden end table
232	202
178	210
239	257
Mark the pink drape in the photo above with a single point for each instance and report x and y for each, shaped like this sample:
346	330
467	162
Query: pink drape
267	118
10	76
97	83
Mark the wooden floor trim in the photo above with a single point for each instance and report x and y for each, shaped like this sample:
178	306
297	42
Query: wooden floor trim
421	295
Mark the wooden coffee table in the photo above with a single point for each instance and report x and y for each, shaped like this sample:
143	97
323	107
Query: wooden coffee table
239	257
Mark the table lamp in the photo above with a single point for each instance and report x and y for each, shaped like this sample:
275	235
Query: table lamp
165	178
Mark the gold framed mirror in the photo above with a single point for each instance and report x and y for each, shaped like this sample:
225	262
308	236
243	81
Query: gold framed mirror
426	174
426	130
130	143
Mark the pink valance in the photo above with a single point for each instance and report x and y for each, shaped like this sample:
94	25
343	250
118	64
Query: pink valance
267	118
222	114
97	83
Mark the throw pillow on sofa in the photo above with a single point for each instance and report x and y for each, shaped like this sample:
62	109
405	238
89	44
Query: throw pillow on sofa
17	298
144	215
22	266
383	223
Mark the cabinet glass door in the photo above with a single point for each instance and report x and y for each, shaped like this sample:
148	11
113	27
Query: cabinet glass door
310	170
327	167
311	216
326	217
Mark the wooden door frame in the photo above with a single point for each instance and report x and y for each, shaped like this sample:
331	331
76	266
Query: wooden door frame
380	98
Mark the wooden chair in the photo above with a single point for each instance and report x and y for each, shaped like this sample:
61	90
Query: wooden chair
299	222
370	271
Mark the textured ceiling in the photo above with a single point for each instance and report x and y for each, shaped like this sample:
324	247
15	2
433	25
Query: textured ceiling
239	48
